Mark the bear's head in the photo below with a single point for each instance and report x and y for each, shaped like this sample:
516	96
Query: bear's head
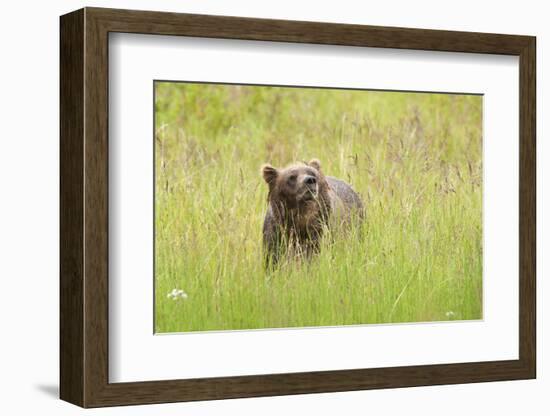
298	187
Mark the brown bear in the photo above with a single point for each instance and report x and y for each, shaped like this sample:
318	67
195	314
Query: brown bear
302	202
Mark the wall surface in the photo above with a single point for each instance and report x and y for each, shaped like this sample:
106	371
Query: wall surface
29	208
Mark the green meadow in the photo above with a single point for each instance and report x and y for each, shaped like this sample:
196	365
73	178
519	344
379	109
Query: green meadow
415	158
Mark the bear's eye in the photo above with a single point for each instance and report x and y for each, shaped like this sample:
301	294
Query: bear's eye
292	178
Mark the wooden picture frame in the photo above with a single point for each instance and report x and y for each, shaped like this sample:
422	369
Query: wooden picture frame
84	207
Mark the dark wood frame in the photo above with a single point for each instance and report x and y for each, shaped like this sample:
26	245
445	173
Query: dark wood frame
84	207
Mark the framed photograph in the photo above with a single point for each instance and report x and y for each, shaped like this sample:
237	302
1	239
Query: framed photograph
254	207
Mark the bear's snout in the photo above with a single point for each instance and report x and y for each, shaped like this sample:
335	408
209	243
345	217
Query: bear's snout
309	188
310	180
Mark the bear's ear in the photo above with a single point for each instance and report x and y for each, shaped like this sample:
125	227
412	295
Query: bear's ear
269	173
314	163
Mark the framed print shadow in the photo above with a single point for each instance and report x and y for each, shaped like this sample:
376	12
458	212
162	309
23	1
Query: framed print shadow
255	207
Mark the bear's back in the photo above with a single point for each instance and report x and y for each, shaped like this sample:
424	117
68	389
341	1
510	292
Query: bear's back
345	193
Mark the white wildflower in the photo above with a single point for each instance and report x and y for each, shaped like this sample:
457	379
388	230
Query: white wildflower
176	294
450	314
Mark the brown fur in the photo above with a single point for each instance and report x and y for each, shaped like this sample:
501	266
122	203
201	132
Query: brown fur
301	201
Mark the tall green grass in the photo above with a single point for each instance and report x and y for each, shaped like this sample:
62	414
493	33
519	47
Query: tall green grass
415	159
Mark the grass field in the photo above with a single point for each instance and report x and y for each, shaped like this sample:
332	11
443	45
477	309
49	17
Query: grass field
415	159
